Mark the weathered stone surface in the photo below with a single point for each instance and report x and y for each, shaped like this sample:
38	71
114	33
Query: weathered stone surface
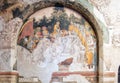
108	9
8	33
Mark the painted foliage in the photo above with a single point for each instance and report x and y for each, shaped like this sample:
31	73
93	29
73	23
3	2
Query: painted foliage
58	39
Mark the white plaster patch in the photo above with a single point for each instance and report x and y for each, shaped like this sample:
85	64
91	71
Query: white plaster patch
99	15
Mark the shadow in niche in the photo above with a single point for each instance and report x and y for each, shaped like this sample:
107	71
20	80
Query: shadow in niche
119	74
59	5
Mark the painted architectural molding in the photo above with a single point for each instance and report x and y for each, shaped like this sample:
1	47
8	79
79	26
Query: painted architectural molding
110	13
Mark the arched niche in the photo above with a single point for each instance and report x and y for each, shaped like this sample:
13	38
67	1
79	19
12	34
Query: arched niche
70	6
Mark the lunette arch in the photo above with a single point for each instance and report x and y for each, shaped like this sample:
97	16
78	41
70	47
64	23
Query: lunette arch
78	7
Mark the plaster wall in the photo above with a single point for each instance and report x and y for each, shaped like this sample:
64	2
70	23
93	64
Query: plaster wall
106	13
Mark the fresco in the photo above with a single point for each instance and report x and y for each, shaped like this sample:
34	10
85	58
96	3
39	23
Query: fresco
57	44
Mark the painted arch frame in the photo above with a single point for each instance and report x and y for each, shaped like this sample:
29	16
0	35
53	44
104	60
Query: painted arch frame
82	11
